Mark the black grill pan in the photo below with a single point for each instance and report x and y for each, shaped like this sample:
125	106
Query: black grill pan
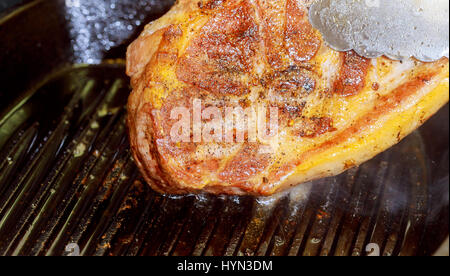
67	176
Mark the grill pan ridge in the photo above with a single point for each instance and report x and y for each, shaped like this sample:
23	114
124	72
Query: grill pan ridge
67	175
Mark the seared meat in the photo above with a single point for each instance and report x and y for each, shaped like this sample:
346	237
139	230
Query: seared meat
334	110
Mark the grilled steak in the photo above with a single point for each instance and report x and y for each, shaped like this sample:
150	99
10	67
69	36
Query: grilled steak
325	111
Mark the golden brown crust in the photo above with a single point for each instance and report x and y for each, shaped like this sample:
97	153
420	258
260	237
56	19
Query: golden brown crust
335	109
352	74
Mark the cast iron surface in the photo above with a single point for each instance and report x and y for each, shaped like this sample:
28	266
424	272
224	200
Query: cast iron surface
67	176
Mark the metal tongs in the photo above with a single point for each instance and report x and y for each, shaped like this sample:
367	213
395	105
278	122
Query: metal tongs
398	29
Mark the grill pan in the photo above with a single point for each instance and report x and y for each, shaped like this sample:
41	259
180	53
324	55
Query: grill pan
67	175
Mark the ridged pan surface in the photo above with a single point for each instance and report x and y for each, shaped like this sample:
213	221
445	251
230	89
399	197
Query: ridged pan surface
67	177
